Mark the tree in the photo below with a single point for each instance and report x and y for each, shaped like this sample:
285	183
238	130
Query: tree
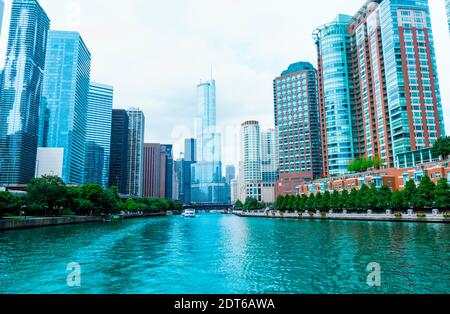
251	203
238	205
442	195
48	194
441	148
377	162
310	203
410	192
103	201
382	198
424	197
344	200
280	203
9	203
399	201
325	203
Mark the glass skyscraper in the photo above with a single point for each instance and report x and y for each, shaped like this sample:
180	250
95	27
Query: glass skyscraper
135	163
2	7
65	106
379	86
207	182
447	4
335	86
98	134
21	91
118	163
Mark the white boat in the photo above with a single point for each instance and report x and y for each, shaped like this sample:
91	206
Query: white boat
190	213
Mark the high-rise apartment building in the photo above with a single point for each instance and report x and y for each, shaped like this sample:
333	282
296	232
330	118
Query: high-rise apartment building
64	109
207	182
98	134
118	164
135	163
257	173
297	127
21	92
386	103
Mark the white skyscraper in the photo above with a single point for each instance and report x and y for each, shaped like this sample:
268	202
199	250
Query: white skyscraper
135	164
258	164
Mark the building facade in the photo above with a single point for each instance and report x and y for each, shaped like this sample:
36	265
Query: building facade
207	185
167	171
190	149
64	109
2	8
21	91
297	127
258	164
447	5
379	69
230	173
152	170
135	162
119	151
98	134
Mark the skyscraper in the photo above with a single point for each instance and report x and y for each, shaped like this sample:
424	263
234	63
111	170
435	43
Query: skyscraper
257	173
135	163
119	151
207	184
65	94
387	103
250	163
2	7
152	170
98	134
190	149
297	127
167	171
447	4
21	91
230	173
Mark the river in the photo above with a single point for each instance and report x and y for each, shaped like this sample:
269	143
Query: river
216	253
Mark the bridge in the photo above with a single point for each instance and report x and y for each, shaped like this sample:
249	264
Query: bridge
208	207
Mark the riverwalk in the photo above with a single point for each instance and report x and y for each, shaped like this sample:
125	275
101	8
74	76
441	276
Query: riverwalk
387	217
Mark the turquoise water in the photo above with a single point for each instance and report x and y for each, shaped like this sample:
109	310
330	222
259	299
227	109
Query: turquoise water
227	254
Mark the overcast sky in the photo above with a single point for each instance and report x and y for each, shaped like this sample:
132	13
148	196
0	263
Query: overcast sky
155	52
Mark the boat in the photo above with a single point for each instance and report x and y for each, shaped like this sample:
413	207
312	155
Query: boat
189	213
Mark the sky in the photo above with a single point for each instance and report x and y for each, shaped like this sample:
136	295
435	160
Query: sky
155	52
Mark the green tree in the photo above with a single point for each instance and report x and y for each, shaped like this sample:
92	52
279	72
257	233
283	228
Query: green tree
344	200
382	198
399	201
238	205
310	203
103	201
325	203
9	203
280	203
318	201
47	194
442	195
424	196
250	203
410	193
441	148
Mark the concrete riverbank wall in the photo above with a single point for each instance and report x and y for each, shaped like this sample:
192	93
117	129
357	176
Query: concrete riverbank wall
439	218
11	224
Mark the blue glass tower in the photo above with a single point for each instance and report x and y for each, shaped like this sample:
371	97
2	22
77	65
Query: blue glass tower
98	134
65	106
2	7
207	182
21	91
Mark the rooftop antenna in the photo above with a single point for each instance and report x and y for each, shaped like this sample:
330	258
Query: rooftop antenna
211	72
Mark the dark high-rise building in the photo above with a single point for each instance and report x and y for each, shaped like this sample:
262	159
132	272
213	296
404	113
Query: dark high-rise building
190	146
152	170
297	127
167	166
119	151
22	91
